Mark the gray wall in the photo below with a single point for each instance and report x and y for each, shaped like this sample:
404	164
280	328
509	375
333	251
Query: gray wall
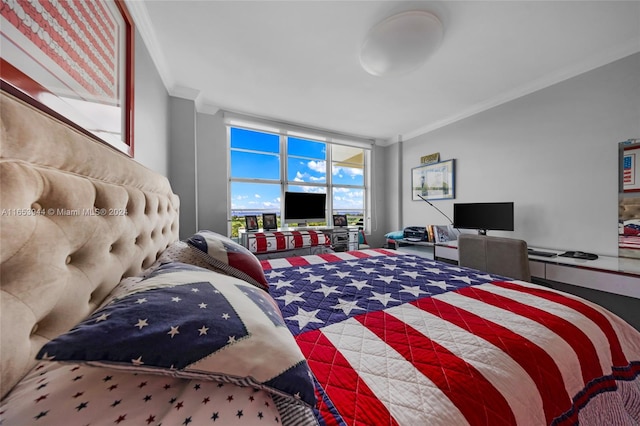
393	189
212	172
378	192
182	165
198	167
151	113
553	152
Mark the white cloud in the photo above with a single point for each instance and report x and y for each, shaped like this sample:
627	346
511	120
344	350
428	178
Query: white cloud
349	171
317	166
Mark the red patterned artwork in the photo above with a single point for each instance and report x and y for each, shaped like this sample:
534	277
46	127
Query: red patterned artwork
78	50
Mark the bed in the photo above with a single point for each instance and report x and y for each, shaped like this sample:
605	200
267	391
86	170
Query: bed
108	318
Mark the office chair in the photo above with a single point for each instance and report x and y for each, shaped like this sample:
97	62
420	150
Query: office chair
496	255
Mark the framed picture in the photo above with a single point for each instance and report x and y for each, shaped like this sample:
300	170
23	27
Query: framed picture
631	169
433	181
73	59
269	221
339	220
251	223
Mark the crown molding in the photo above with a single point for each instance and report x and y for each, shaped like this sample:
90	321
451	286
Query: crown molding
604	58
141	18
142	21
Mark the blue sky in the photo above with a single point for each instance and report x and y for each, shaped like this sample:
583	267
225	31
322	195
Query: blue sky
306	164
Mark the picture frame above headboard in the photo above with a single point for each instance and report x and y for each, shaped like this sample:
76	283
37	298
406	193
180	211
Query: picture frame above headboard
76	59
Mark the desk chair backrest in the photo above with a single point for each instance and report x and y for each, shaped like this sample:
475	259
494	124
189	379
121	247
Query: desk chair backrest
496	255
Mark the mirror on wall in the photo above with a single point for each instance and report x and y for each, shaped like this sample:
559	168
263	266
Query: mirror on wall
629	199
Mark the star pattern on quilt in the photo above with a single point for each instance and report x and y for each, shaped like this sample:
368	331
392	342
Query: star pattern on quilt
353	286
170	313
56	393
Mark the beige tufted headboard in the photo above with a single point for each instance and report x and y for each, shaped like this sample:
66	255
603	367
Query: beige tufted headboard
629	208
76	217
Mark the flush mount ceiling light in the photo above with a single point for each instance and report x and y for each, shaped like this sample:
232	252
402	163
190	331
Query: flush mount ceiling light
401	43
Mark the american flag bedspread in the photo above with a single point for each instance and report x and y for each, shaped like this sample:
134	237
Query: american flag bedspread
398	339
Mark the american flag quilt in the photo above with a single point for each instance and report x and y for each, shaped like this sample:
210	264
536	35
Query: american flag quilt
398	339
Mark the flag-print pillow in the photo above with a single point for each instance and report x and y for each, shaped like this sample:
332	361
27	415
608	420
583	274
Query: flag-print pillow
189	322
232	258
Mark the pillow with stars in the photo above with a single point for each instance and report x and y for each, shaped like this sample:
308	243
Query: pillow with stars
189	322
226	255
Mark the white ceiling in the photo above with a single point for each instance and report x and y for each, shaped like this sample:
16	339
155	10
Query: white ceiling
297	61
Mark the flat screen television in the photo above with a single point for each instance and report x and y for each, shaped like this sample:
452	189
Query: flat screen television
483	216
303	207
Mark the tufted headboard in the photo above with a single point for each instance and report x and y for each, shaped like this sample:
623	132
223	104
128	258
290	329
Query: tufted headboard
76	217
629	208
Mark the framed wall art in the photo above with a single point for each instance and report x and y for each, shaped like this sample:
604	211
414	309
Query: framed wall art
631	168
73	58
433	181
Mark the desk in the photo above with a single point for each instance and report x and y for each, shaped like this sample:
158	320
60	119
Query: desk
445	251
612	282
617	275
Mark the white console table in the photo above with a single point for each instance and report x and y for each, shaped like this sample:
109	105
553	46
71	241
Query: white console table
445	251
617	275
610	274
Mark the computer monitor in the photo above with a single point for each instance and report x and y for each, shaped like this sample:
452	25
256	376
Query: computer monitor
302	207
483	216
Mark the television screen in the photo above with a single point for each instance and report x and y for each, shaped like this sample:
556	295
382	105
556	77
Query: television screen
304	206
483	216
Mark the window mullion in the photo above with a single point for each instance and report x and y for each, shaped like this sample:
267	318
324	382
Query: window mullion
329	172
284	169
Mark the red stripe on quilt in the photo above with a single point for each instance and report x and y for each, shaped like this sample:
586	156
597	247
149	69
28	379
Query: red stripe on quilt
337	377
359	254
580	342
480	403
617	354
329	257
386	252
534	360
298	261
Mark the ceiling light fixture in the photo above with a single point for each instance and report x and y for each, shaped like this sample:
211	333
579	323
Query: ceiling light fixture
401	43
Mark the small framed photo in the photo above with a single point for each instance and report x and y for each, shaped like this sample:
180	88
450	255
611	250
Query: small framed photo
269	221
339	220
251	223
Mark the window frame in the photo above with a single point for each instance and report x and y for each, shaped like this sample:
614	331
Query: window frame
284	182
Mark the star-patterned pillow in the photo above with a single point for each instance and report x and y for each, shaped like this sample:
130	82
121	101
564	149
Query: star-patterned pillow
232	258
189	322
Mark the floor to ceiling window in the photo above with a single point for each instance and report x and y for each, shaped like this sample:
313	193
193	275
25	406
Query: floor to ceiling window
266	163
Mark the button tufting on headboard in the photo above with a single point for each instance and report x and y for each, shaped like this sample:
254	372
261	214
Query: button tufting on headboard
94	217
